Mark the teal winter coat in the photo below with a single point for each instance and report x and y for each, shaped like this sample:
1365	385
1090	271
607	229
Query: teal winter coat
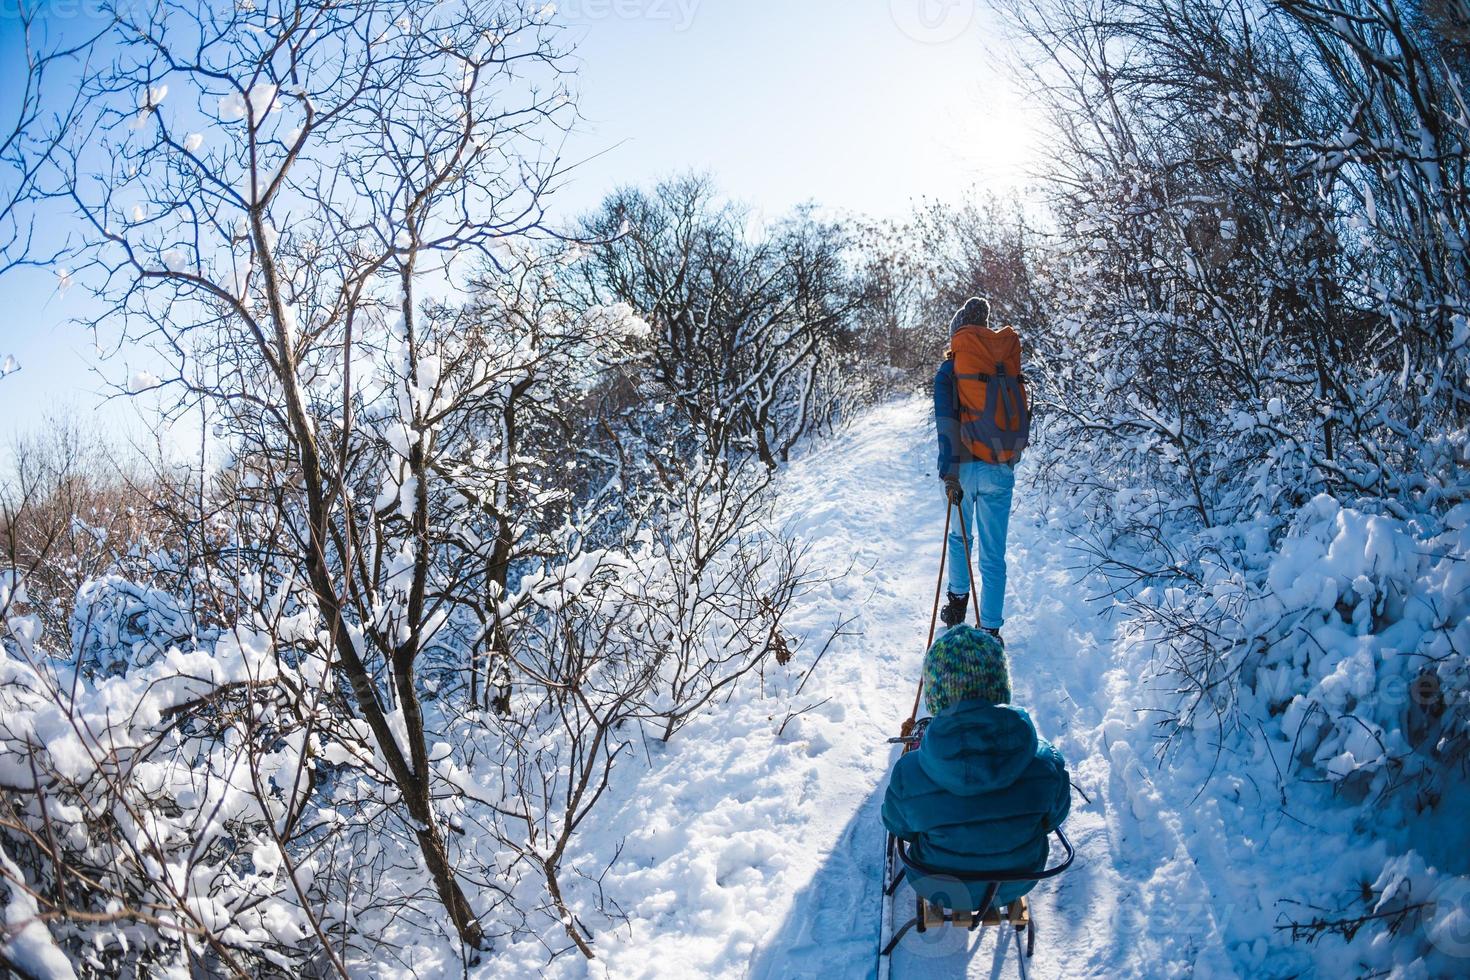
981	793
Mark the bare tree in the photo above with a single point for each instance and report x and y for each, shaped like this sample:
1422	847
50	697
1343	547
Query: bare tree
32	127
71	513
285	186
33	122
745	329
914	273
618	645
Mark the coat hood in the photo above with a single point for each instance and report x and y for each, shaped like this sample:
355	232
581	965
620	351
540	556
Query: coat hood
975	747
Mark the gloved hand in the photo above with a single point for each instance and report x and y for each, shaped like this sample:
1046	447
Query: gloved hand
953	490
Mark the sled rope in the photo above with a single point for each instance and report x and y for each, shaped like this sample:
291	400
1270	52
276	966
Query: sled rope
908	726
939	585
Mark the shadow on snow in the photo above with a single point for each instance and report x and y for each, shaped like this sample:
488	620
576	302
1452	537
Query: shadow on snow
832	927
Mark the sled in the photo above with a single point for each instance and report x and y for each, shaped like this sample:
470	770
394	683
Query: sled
1016	916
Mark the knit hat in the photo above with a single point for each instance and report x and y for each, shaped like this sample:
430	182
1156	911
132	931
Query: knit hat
975	312
965	664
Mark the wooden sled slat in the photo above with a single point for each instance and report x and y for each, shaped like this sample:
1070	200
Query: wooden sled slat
1017	915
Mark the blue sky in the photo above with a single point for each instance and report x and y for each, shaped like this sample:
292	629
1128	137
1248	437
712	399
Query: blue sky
793	100
859	105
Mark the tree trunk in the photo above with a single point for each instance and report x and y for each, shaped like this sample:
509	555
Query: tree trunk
549	869
412	780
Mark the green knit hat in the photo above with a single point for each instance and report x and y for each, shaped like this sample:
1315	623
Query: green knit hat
965	664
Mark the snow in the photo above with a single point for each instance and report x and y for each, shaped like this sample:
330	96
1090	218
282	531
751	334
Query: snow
751	844
27	944
259	100
618	323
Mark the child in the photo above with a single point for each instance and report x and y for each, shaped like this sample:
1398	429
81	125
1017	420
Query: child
982	792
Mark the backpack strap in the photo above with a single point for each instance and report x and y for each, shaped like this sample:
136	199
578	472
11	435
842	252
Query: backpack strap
1010	394
987	378
994	396
1003	396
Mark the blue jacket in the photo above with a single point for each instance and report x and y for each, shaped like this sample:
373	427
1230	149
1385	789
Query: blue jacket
952	450
981	793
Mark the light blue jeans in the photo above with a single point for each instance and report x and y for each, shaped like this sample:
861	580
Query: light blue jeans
987	511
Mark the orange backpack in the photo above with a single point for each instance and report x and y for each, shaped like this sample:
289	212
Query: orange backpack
994	412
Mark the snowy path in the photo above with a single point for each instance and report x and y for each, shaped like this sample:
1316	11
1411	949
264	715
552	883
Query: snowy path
747	851
1132	905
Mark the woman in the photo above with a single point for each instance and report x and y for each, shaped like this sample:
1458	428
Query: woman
982	418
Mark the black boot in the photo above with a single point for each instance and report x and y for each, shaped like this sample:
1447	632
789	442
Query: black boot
995	632
953	612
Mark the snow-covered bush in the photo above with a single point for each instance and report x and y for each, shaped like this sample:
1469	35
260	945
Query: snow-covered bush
1379	610
134	822
1347	641
117	625
1251	381
1239	324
